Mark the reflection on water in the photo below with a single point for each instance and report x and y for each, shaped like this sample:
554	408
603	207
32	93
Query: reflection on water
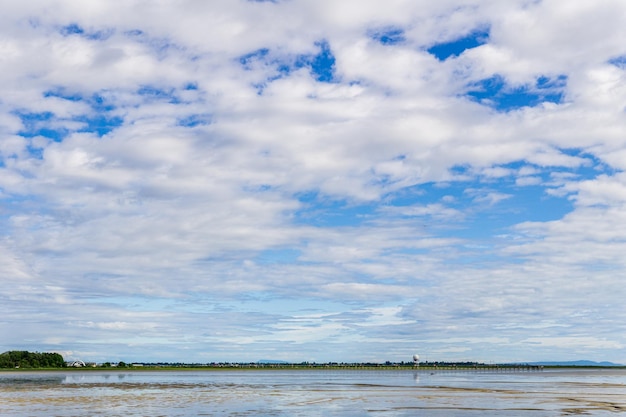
312	393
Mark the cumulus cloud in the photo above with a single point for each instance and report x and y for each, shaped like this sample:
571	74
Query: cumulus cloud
281	175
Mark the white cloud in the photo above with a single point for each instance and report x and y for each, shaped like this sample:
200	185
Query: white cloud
584	342
13	267
180	175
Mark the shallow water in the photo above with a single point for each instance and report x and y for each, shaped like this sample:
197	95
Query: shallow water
313	393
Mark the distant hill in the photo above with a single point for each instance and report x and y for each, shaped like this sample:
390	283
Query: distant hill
576	363
271	362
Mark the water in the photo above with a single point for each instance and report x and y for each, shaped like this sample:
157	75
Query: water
325	393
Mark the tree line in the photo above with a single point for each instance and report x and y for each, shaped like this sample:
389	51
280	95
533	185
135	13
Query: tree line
25	359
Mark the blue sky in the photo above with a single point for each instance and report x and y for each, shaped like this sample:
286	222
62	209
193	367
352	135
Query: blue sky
313	180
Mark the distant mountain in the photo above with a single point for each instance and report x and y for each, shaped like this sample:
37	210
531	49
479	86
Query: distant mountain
272	362
576	363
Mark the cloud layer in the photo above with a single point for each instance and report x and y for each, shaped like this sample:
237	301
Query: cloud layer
236	180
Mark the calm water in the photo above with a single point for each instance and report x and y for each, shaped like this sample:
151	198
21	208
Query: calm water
312	393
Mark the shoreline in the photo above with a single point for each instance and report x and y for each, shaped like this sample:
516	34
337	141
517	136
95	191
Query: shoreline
253	368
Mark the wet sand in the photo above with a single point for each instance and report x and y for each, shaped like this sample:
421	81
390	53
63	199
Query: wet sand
313	393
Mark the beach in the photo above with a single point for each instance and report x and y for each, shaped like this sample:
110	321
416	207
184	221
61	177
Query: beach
551	392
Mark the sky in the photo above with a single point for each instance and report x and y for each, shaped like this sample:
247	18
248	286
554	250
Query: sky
313	180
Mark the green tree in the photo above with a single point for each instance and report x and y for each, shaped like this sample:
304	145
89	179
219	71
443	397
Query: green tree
25	359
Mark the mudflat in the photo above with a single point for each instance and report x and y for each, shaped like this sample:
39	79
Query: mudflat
598	392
